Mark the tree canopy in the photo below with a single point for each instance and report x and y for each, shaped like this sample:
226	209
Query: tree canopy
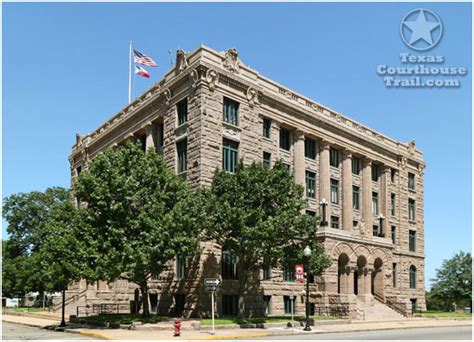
256	215
137	215
452	285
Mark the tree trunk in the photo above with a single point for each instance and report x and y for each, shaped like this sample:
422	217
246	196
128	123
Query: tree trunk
146	307
242	290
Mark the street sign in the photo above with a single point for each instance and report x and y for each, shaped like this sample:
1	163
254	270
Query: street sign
212	282
211	288
299	271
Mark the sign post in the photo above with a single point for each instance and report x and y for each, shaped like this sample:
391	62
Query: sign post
212	285
292	299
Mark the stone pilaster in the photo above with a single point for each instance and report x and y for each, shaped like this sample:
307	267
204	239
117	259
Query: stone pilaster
367	194
324	176
346	190
298	158
368	281
385	199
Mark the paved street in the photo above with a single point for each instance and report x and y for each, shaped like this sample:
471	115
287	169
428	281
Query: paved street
444	333
12	331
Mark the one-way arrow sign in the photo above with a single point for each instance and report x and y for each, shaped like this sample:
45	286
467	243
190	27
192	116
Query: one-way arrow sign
211	282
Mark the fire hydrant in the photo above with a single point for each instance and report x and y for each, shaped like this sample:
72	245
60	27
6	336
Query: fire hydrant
177	327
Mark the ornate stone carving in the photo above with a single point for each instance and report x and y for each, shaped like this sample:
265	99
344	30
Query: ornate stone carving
421	167
402	162
167	94
232	62
181	61
362	228
194	76
78	139
412	147
212	78
252	96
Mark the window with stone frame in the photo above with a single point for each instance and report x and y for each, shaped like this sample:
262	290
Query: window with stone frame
267	127
228	265
181	268
394	274
267	157
334	191
182	152
393	173
356	165
230	305
288	305
412	277
230	155
392	204
412	241
375	203
335	222
310	148
411	181
231	111
355	197
267	273
394	234
310	184
285	139
375	172
375	230
182	109
411	209
334	157
289	274
310	213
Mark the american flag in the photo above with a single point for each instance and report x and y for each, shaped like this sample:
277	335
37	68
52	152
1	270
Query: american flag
143	59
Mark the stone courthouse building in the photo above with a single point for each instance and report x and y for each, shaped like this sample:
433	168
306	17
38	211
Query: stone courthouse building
211	110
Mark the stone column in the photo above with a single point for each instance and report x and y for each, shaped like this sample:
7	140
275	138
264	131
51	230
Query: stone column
150	141
367	194
385	198
324	176
350	280
346	190
298	158
360	281
368	281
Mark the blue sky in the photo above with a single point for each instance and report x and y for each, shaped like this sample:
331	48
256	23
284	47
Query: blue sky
65	70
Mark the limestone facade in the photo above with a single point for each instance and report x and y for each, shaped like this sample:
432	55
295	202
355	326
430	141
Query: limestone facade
362	174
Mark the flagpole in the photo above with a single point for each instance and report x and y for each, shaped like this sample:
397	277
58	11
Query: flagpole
130	75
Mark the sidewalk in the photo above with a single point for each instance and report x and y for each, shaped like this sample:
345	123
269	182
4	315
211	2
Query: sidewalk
122	334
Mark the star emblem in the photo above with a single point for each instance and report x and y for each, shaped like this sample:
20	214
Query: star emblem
421	30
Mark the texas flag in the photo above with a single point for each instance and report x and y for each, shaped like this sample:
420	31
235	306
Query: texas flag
142	72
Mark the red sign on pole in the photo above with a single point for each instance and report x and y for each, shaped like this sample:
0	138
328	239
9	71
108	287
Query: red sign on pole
299	271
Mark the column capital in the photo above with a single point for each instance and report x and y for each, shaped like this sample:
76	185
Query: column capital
367	161
386	168
323	145
298	134
148	127
346	153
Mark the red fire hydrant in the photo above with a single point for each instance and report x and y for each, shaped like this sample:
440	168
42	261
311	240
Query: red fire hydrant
177	327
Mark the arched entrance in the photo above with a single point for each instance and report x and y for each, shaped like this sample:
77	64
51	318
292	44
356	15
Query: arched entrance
342	276
377	287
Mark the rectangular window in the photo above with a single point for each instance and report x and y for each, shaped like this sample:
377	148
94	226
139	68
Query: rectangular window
394	234
229	265
355	198
160	129
411	209
375	203
288	305
230	155
285	139
289	273
355	224
375	173
335	222
334	159
78	170
375	230
310	184
355	165
182	108
392	175
412	241
143	141
182	151
230	305
181	269
310	148
334	191
267	157
394	275
288	167
392	204
311	213
267	126
411	181
231	111
267	273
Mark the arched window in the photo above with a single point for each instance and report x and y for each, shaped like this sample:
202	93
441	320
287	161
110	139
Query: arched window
412	277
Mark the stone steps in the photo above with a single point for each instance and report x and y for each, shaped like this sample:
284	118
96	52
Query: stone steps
373	310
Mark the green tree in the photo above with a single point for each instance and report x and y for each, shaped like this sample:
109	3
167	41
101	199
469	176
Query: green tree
137	216
256	215
453	282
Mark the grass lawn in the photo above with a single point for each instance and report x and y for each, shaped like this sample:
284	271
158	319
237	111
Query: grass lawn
29	309
431	314
276	319
126	318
